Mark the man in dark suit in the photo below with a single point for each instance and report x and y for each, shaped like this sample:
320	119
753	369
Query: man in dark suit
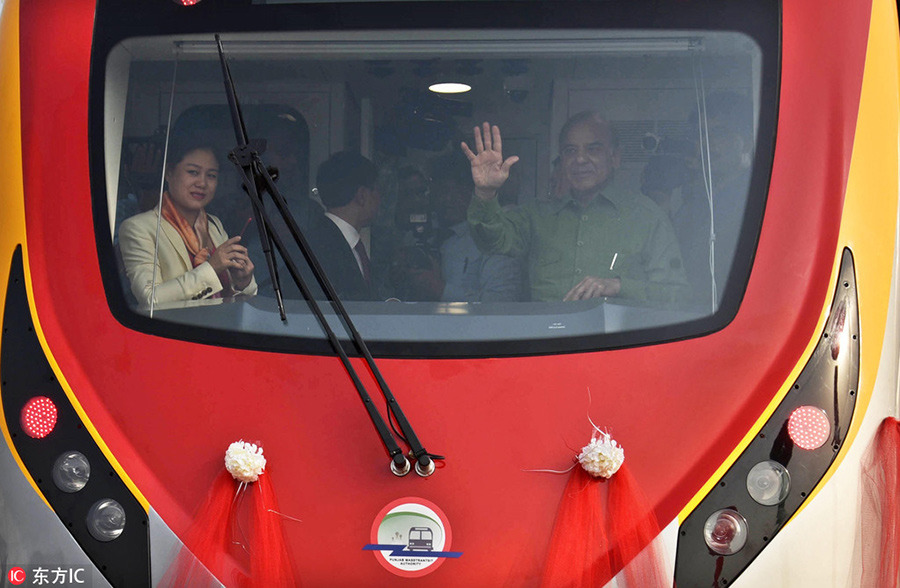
346	184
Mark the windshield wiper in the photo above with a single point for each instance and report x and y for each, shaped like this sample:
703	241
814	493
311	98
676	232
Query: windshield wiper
256	180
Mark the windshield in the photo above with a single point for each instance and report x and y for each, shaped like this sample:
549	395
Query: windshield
492	190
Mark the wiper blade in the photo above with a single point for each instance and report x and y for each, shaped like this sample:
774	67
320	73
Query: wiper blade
242	157
256	179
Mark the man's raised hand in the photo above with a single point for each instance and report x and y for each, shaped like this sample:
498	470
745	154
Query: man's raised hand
489	170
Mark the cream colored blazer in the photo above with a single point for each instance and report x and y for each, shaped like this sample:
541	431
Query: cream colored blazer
176	278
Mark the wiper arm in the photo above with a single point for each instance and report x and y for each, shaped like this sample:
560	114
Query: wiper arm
256	179
242	157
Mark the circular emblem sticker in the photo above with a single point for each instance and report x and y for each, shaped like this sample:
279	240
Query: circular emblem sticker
411	537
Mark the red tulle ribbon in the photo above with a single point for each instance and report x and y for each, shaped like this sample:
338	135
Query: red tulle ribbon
880	516
271	564
215	534
603	527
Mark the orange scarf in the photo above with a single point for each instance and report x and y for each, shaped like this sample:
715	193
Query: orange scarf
196	238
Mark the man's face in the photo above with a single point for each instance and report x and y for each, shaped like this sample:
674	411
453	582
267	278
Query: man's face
412	198
413	192
588	157
370	205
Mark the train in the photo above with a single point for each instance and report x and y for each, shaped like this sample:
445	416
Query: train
698	405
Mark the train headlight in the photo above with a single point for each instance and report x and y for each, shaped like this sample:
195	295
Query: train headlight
106	520
787	458
768	483
71	471
725	531
58	451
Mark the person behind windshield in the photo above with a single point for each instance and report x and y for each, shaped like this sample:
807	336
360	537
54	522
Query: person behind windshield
194	258
346	183
729	117
414	268
663	178
412	214
591	241
468	275
287	155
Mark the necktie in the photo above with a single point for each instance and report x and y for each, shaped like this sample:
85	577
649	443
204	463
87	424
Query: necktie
363	261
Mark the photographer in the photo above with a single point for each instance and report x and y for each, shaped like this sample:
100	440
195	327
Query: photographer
415	268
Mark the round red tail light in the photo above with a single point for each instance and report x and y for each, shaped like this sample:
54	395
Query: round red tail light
809	427
38	417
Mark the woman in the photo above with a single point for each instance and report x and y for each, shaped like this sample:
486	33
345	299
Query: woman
194	259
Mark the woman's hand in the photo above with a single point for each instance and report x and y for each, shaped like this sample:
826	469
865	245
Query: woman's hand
489	170
241	276
233	257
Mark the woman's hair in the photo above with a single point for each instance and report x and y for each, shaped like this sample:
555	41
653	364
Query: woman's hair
180	146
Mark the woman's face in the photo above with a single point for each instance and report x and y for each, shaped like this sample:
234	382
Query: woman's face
192	182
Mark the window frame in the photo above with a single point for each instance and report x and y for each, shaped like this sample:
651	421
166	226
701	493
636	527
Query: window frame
121	19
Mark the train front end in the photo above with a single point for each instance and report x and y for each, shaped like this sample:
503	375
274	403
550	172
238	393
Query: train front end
744	403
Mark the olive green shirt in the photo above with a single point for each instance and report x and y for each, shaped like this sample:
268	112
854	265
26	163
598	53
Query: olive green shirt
614	236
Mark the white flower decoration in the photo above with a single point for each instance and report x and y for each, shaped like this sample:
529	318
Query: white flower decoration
602	457
245	461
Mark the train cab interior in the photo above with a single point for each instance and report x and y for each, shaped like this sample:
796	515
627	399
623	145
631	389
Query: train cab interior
684	107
